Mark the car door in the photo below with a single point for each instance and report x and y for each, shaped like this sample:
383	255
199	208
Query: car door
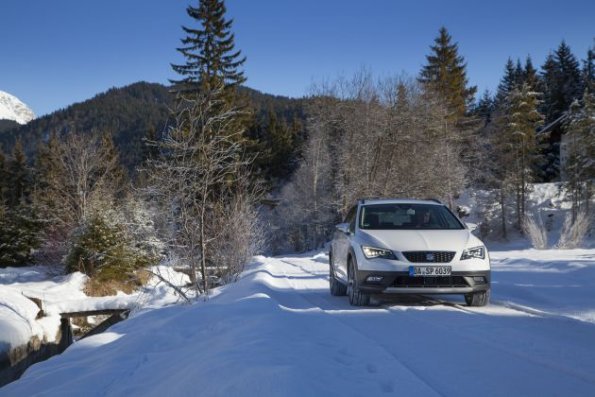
341	244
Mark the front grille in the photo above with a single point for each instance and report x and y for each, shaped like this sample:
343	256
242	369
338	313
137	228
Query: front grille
431	282
429	256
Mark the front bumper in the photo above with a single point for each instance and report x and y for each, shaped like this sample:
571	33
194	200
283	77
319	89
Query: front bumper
401	283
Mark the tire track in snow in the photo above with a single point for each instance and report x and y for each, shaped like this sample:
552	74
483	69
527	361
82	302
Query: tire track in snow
370	367
510	352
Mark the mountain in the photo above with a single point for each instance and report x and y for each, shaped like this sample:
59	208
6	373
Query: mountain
131	113
11	108
127	113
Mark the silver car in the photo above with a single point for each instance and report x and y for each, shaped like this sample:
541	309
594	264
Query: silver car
395	246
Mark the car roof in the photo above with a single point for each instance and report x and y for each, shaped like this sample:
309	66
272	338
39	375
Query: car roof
398	201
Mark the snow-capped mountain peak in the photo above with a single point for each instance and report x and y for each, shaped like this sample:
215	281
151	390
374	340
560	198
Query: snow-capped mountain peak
11	108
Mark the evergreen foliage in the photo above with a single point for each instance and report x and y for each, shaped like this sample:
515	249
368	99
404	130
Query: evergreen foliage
3	178
141	111
208	49
19	235
19	177
445	73
485	107
277	146
103	250
588	72
514	77
127	113
530	75
7	125
516	146
507	83
19	225
562	82
579	169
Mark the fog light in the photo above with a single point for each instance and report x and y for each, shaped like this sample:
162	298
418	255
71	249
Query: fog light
479	279
374	279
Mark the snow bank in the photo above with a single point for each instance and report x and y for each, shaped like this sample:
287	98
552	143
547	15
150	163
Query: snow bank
63	294
17	320
548	203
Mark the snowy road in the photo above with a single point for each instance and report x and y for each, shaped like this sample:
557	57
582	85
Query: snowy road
278	332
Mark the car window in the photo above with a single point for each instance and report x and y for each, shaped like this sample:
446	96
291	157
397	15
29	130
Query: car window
408	217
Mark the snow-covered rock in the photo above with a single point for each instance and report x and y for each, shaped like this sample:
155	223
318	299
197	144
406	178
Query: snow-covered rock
11	108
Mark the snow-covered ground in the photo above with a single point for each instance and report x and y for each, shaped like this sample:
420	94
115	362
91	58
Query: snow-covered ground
547	204
63	294
278	332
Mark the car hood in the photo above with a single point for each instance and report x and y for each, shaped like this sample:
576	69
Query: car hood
420	240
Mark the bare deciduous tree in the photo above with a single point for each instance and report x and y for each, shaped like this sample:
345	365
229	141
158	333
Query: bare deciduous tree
372	139
74	173
202	184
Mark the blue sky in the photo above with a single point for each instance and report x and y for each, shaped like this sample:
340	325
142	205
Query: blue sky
58	52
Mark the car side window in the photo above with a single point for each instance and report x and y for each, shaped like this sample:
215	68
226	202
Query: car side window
350	218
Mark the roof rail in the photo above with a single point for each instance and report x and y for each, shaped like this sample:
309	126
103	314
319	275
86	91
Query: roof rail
364	199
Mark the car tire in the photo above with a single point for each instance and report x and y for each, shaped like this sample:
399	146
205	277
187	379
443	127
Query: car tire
478	298
337	288
356	297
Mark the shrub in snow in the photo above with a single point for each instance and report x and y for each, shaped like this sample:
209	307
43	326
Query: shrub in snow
535	230
19	236
105	252
573	234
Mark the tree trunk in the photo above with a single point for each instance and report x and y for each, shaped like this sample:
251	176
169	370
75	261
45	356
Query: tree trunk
503	208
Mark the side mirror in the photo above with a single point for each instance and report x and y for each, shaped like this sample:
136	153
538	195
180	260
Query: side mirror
343	227
471	226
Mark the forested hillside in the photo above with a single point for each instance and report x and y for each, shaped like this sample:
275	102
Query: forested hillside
6	125
144	110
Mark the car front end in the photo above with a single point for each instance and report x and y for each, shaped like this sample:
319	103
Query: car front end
399	258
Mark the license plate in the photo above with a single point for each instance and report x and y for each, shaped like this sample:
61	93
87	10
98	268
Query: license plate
420	271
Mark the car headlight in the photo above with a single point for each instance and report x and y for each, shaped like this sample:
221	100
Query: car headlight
373	252
475	252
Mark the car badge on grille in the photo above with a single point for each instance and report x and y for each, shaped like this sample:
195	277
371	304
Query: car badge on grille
430	257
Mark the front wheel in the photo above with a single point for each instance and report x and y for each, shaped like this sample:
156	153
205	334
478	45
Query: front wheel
356	297
478	298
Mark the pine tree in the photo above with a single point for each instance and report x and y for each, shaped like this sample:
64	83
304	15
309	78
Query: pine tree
281	145
507	83
111	159
523	119
588	72
579	168
208	48
19	235
549	73
445	73
562	80
530	75
18	176
201	177
3	178
19	226
485	107
519	74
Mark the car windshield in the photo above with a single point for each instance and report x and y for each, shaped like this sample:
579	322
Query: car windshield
407	217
